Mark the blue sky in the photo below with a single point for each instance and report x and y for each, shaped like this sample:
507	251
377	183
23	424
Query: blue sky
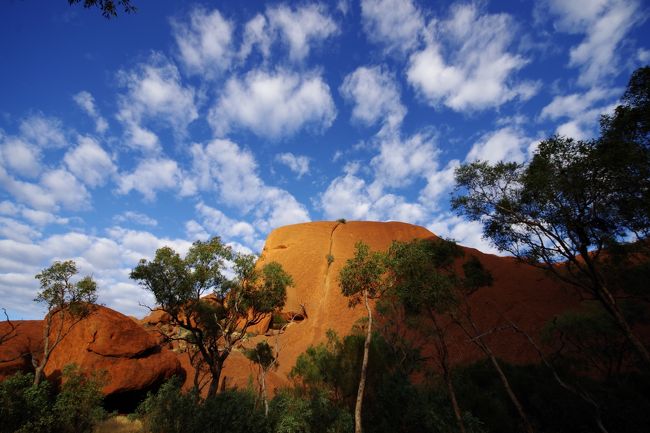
185	121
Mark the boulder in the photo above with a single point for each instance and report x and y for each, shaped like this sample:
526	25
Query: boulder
20	345
109	341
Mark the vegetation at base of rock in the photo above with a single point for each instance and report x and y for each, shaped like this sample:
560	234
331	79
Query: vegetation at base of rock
74	407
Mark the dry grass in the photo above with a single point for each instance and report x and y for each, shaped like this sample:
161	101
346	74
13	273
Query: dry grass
119	424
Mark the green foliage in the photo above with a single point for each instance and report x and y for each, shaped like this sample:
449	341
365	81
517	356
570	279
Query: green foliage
422	275
262	354
78	406
218	323
330	259
25	407
171	411
59	292
341	220
108	8
589	340
293	412
29	408
363	273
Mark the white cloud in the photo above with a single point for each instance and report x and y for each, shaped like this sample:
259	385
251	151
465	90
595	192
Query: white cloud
583	111
576	103
256	34
109	259
273	104
204	42
17	231
87	103
56	188
135	217
43	131
231	171
218	224
505	144
399	161
604	24
41	218
349	197
643	55
438	183
299	164
150	176
21	157
301	27
466	233
375	96
477	72
396	24
194	230
89	162
155	93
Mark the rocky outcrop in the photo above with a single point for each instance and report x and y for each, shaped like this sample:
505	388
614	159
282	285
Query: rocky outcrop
110	341
20	345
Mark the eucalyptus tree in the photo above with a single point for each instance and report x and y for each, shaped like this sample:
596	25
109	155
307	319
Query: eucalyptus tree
214	311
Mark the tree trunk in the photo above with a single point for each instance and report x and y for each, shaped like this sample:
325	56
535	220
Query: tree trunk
38	372
443	355
216	375
612	306
506	384
364	367
264	397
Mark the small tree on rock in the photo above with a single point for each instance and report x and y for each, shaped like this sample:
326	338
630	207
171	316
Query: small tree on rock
67	304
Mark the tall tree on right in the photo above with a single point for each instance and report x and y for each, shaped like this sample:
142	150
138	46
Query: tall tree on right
572	202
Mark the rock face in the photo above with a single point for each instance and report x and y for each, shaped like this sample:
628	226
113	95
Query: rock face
110	341
17	350
522	294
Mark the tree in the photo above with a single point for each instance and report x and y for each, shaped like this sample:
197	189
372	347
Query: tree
214	325
556	212
107	7
10	331
572	201
265	358
67	304
362	278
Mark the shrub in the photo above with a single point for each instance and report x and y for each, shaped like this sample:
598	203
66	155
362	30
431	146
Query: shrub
78	406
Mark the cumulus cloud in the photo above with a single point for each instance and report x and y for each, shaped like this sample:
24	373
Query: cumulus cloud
56	189
218	224
45	132
604	23
87	103
154	92
466	233
505	144
466	64
89	162
205	42
299	164
231	171
151	176
375	96
273	104
395	24
20	157
400	161
438	183
107	258
301	27
350	197
581	111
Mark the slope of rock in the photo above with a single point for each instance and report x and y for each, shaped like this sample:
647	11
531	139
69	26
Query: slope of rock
523	294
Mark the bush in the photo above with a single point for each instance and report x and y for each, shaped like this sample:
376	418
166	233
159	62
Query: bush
172	411
78	407
24	407
29	408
